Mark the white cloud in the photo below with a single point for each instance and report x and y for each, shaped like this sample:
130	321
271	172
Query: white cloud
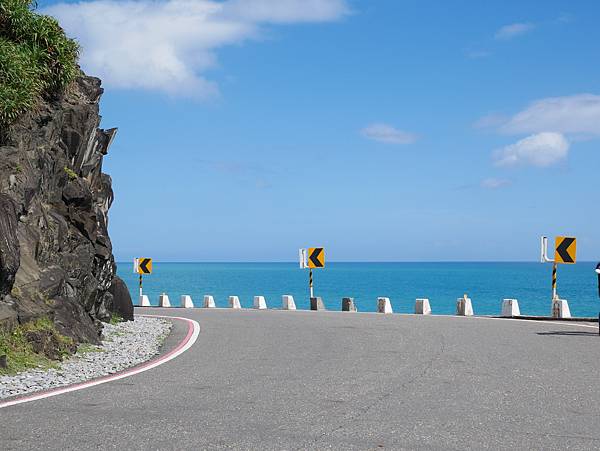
542	150
494	183
552	122
170	45
565	18
287	11
387	134
576	114
477	54
513	30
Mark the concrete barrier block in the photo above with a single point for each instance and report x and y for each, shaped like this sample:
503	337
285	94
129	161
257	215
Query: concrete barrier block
186	301
163	300
317	304
384	305
464	306
144	301
560	309
209	301
287	302
422	307
348	305
510	308
260	303
234	302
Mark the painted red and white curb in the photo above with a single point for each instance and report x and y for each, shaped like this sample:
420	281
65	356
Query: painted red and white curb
184	345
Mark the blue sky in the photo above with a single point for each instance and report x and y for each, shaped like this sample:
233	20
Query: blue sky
383	130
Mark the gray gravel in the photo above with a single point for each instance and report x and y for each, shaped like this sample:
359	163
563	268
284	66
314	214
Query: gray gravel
124	345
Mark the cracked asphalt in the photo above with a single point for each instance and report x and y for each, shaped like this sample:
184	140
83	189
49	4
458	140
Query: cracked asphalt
332	380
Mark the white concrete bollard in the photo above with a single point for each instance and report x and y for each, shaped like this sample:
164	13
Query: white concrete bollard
234	302
209	301
510	308
422	307
384	305
287	302
348	305
163	300
560	309
260	303
317	304
186	301
144	301
464	307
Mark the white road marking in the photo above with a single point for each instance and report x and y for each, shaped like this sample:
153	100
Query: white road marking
184	345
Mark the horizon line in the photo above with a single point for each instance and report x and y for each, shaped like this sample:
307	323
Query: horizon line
353	261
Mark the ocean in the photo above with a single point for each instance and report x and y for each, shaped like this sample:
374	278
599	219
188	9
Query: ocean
442	283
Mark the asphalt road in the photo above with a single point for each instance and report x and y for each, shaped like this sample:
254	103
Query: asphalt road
320	380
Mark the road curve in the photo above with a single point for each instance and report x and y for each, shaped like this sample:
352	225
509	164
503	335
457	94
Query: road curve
313	380
193	329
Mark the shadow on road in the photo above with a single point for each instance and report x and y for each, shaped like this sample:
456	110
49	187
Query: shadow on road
570	332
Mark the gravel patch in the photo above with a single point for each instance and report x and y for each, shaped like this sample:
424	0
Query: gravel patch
124	345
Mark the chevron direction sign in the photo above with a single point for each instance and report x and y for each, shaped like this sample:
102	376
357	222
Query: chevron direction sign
316	257
565	250
143	265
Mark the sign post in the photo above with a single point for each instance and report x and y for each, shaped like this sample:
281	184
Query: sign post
565	252
142	266
313	257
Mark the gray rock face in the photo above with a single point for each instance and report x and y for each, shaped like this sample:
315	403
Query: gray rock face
9	244
121	299
55	253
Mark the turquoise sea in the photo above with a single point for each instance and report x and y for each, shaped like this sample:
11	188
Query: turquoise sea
485	283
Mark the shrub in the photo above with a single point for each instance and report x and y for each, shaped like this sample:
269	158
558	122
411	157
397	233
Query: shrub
36	58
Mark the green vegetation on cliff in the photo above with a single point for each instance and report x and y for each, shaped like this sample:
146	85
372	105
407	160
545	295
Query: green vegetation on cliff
36	58
34	344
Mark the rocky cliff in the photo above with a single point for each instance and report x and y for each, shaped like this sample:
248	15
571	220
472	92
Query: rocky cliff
55	253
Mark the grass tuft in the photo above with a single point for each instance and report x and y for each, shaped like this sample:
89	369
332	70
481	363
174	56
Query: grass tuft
70	172
86	348
36	58
116	319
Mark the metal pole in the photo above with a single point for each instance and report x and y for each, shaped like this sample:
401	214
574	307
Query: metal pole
141	286
554	293
310	282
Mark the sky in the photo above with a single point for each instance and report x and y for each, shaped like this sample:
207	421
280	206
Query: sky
382	130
